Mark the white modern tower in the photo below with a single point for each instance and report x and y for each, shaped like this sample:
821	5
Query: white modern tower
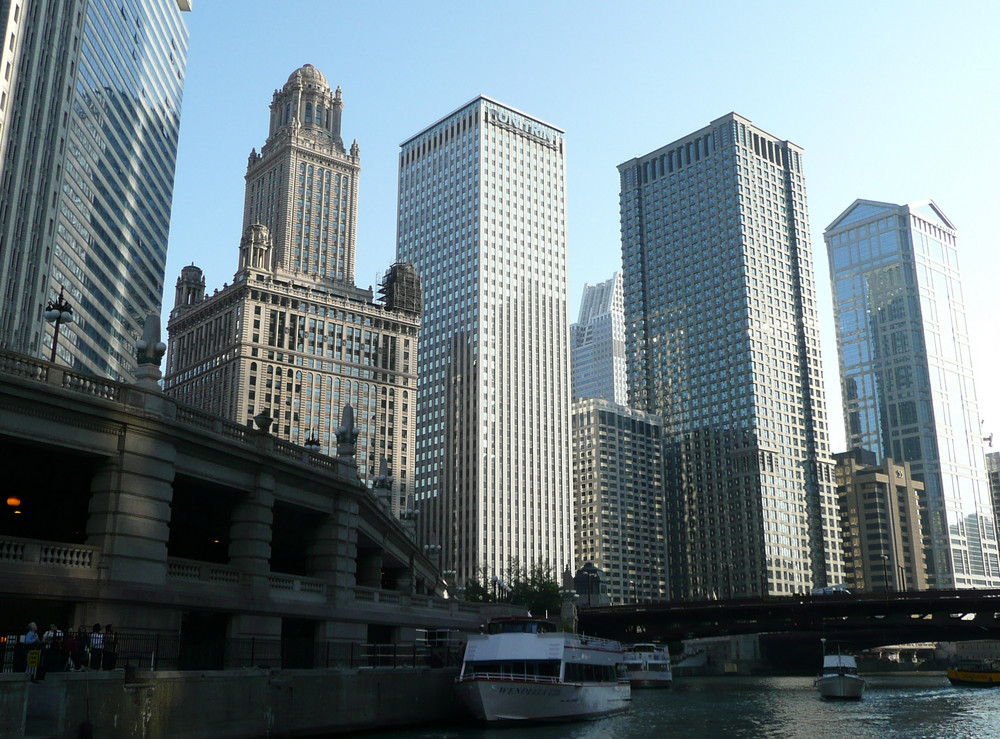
906	374
482	217
598	343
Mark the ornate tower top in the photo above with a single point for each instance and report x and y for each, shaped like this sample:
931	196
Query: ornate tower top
306	102
255	248
190	289
303	186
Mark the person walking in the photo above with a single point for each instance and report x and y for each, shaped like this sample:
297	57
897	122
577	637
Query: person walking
110	648
33	651
72	648
96	648
83	648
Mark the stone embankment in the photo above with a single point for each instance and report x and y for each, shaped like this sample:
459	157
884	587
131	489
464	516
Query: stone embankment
228	703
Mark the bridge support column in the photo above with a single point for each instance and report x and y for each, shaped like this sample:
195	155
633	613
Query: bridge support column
333	553
130	509
370	568
250	532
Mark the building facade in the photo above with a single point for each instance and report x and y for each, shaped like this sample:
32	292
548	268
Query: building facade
993	475
880	523
906	374
722	342
292	337
90	103
618	504
482	216
597	342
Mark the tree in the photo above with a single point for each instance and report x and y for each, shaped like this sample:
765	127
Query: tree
534	587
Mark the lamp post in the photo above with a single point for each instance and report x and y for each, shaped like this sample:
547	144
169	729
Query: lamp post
885	572
58	312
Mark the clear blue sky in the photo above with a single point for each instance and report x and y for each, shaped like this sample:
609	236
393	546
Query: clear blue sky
894	101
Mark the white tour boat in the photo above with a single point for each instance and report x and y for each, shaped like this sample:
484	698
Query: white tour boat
840	677
527	670
648	666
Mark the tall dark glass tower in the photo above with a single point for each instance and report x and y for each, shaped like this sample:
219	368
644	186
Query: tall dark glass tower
89	116
722	342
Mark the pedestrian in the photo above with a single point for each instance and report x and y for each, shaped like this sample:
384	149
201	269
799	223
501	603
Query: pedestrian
33	648
53	658
110	647
72	648
83	648
96	648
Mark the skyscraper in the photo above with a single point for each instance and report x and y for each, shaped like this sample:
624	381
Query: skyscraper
293	337
880	523
618	498
906	374
90	106
482	216
598	343
722	342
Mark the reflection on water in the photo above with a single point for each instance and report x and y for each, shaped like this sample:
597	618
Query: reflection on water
908	706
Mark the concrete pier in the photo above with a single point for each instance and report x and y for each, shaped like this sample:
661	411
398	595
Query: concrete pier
225	703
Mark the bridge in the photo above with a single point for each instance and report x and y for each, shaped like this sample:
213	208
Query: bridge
126	507
862	620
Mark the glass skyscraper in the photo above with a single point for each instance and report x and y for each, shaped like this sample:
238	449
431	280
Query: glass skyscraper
722	342
598	343
482	217
89	118
906	374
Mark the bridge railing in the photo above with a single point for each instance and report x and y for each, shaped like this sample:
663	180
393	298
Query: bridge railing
160	651
49	553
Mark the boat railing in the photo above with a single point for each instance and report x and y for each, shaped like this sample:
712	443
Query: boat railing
598	643
510	677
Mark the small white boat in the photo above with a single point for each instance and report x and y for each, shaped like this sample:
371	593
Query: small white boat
648	666
840	679
527	670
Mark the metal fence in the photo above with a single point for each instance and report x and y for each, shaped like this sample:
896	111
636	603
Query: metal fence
174	652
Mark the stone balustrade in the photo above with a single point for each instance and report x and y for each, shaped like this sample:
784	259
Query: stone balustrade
48	553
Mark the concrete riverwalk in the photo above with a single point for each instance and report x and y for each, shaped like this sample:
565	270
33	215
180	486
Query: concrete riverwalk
224	703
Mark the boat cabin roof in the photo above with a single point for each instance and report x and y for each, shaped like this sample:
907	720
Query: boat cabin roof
839	660
514	625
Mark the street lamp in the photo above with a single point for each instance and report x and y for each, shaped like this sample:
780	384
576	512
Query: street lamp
312	442
57	313
885	572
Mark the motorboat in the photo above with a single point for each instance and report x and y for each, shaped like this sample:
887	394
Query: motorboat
840	679
984	674
648	666
526	669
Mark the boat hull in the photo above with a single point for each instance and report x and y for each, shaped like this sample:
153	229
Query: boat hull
514	701
974	679
841	687
649	679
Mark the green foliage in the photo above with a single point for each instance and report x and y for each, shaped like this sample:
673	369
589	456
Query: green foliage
534	587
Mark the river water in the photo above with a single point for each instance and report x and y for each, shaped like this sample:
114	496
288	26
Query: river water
895	706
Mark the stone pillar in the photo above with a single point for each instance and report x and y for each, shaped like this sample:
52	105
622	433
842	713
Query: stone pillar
250	532
130	509
337	544
332	553
370	568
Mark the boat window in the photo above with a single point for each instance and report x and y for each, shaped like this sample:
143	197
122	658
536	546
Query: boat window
513	669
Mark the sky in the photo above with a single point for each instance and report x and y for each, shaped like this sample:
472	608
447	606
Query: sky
892	101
